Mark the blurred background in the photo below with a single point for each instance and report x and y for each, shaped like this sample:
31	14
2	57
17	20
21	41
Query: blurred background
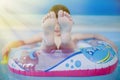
21	19
18	17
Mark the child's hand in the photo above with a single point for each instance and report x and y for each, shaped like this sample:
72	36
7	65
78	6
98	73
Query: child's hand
7	48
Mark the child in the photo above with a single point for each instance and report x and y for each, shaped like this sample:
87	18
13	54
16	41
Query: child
57	25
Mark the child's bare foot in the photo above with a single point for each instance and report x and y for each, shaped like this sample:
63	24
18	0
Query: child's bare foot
65	22
48	25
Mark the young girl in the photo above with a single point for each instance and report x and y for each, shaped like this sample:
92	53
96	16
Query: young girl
57	25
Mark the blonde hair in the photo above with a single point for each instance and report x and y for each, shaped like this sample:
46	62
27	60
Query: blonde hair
58	7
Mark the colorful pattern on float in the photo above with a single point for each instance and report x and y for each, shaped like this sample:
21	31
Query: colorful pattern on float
91	58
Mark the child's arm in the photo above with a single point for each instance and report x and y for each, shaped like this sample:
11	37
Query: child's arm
100	37
78	37
34	39
6	50
14	44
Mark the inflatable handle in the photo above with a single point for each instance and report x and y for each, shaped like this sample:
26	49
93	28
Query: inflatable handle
32	55
4	60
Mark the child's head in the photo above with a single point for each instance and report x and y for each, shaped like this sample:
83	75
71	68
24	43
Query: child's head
58	7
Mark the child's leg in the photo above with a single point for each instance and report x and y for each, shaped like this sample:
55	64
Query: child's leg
65	22
48	25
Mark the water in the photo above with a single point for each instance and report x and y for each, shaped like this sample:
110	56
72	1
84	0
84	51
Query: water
107	26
